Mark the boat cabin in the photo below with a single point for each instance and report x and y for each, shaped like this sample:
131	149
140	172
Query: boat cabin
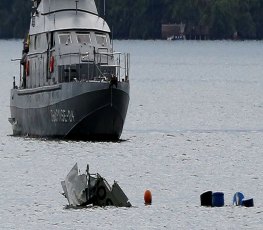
64	48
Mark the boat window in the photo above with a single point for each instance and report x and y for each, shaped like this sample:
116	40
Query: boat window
52	40
83	38
35	42
101	39
65	38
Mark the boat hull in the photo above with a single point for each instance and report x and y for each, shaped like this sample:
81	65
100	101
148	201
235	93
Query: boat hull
95	111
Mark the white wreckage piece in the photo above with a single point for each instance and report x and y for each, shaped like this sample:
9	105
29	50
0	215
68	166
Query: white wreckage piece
85	189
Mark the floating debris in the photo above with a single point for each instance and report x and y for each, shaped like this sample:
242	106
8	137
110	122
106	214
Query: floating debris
239	200
216	199
206	199
248	202
86	189
212	199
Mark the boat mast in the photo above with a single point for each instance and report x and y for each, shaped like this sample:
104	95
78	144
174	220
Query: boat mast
77	6
34	12
104	6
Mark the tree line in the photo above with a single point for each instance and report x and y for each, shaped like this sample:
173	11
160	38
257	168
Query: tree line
142	19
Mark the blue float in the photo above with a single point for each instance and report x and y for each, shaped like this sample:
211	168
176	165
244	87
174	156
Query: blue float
237	199
218	199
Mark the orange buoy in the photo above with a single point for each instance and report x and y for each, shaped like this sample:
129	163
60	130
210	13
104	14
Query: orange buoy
148	197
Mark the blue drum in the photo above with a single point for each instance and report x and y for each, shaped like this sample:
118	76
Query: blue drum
218	199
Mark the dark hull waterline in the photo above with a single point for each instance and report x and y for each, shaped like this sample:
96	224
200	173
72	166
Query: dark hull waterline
93	115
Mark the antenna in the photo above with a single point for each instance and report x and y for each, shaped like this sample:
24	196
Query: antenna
104	5
76	6
33	12
112	38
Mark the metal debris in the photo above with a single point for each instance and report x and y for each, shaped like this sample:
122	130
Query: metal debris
86	189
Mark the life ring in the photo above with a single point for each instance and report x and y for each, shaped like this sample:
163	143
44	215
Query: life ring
109	202
51	64
27	68
101	193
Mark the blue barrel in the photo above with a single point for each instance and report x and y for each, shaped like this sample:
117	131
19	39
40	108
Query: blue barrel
248	202
237	199
218	199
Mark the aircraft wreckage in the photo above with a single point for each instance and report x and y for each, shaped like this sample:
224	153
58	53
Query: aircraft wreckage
92	189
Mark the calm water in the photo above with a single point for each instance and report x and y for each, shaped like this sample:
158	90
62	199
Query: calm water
195	123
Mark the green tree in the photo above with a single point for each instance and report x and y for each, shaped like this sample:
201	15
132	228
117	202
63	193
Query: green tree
244	23
142	19
223	19
256	10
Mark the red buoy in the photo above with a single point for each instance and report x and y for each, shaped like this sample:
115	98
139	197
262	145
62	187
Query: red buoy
27	68
147	197
51	64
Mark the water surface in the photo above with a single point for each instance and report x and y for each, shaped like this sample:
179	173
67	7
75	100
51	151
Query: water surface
194	124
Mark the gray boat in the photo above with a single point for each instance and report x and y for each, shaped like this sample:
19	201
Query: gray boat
72	83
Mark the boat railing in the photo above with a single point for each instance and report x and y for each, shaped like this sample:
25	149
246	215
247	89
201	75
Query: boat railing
78	66
20	69
100	66
120	64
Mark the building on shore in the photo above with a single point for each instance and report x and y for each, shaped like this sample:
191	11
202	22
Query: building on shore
173	31
197	32
182	31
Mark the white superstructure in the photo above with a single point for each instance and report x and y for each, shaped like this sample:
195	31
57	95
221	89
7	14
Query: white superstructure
53	15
